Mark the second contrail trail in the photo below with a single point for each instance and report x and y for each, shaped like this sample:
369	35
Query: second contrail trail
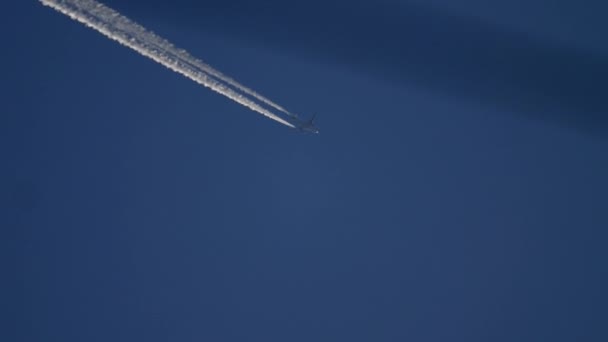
217	74
123	30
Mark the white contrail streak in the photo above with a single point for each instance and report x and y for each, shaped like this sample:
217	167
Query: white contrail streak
217	74
121	29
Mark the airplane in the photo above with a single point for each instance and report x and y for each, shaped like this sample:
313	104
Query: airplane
307	126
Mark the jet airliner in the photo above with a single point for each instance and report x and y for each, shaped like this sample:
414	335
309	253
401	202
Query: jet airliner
307	126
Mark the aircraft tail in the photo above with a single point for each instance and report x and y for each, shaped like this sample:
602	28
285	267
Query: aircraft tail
312	119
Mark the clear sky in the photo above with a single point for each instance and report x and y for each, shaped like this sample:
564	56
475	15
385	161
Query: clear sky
457	191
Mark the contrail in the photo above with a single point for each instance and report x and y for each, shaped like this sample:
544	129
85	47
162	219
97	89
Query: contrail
121	29
217	74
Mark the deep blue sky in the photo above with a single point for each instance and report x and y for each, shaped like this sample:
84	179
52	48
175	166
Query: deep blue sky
457	191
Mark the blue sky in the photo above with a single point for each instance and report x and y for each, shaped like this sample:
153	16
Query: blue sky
450	196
